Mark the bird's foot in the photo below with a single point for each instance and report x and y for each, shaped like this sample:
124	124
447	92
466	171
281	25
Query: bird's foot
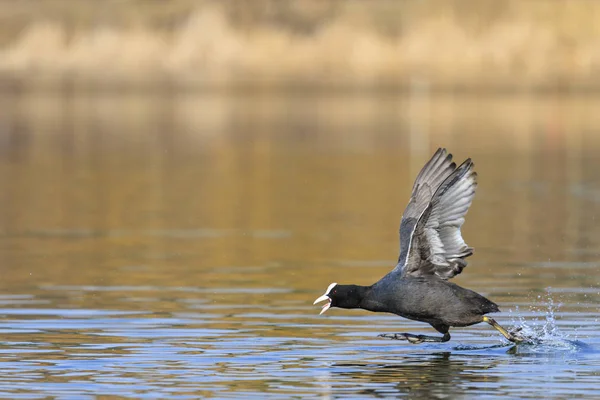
415	339
515	335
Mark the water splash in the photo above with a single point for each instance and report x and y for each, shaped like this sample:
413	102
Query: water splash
542	334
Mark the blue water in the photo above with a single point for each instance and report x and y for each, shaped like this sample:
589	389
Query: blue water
257	351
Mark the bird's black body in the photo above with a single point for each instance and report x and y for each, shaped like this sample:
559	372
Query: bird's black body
432	251
426	299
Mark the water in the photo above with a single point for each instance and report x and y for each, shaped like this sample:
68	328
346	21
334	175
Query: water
166	244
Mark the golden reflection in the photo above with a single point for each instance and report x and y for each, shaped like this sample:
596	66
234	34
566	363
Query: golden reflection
170	189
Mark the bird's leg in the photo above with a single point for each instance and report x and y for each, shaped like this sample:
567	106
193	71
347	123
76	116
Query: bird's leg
416	339
510	336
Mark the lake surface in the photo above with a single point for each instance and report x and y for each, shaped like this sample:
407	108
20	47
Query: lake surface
160	243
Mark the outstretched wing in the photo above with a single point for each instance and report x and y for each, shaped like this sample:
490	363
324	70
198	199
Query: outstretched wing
429	179
435	246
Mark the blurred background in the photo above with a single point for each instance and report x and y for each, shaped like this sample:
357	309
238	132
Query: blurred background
459	44
184	177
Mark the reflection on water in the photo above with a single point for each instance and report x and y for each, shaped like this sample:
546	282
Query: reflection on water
171	244
427	376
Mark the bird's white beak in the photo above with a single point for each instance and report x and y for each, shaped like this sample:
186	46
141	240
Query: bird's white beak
325	297
326	305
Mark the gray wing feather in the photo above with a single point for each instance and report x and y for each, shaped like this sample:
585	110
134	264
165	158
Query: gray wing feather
437	246
436	170
431	176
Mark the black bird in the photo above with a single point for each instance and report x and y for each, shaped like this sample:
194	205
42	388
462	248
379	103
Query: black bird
432	251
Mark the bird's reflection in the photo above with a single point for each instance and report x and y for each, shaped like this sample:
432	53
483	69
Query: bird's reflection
423	376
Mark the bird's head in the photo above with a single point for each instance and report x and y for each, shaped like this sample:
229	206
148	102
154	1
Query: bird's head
342	296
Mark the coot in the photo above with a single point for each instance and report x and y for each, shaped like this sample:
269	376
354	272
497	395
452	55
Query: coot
432	251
